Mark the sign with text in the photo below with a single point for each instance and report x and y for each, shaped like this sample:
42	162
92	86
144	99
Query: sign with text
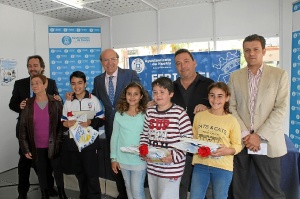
217	65
71	49
295	79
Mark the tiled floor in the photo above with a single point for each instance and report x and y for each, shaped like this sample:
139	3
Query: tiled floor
8	187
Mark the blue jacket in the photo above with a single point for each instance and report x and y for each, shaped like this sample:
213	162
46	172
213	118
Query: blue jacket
125	76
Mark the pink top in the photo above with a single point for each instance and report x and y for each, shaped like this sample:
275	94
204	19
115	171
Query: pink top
41	125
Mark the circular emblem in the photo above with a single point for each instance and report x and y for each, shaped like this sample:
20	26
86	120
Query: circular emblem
295	7
66	40
138	65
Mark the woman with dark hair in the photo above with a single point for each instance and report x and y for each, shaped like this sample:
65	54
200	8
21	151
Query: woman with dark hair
40	134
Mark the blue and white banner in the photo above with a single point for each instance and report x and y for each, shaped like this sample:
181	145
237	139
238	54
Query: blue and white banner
74	48
295	79
216	65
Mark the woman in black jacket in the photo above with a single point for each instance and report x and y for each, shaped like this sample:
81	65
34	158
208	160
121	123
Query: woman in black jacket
40	134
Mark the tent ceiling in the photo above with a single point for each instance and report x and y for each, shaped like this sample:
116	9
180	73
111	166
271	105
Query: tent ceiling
93	9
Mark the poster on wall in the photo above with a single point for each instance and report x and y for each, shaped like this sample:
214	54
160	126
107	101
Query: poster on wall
217	65
295	79
71	49
8	71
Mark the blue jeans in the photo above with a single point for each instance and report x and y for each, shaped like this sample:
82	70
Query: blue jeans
134	182
203	175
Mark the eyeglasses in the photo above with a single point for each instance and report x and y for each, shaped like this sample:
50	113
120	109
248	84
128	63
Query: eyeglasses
111	59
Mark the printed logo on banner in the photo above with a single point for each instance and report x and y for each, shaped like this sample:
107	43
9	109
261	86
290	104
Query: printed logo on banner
66	40
296	6
226	65
295	35
138	65
71	49
217	65
295	88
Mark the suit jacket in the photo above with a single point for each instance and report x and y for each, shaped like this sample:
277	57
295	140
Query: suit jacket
270	108
21	91
125	76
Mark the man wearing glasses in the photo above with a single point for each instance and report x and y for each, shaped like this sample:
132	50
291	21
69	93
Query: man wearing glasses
108	87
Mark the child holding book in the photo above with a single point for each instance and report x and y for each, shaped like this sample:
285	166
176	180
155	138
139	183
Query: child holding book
215	125
165	123
127	127
84	163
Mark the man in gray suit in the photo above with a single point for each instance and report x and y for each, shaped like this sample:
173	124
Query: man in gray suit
120	79
259	99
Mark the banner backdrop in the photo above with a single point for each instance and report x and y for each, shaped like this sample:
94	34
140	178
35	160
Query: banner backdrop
295	79
71	49
216	65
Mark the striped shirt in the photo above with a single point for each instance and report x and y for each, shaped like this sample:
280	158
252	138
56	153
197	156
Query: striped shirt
161	129
253	88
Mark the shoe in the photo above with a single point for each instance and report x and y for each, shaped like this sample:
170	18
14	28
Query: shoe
61	193
45	194
52	192
120	197
22	196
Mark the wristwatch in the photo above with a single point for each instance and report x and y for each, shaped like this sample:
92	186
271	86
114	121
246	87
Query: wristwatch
113	159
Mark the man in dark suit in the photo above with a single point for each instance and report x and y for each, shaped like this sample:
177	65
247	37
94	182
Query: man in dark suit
189	83
21	92
121	78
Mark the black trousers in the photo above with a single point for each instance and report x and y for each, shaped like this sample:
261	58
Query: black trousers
24	167
186	178
87	176
45	165
120	185
268	172
105	170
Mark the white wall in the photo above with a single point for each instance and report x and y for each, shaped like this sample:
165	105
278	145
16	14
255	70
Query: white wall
23	34
285	33
241	18
13	46
234	19
104	23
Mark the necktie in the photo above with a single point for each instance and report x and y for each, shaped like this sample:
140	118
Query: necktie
111	90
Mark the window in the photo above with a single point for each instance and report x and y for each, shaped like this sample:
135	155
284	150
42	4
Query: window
272	47
271	57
